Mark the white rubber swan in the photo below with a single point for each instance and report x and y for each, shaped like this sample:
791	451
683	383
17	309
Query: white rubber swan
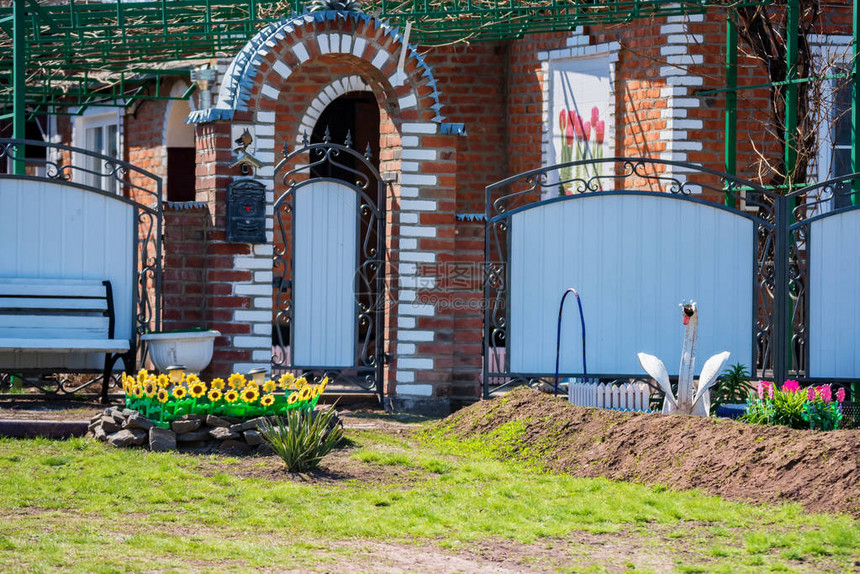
691	399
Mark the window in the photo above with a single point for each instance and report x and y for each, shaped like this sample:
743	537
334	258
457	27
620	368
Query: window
840	135
832	57
98	133
580	108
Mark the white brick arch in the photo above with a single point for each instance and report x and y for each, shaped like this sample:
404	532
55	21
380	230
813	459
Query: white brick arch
339	87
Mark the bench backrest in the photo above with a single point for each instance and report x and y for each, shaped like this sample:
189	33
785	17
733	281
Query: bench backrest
56	309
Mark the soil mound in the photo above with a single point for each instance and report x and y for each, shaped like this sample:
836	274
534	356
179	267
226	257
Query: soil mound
731	459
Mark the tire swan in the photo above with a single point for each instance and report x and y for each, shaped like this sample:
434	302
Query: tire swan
692	399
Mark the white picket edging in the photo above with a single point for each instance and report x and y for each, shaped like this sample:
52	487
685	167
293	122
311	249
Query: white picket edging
627	397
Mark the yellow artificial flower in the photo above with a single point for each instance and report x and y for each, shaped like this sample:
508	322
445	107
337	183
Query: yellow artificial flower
231	396
253	385
294	397
163	381
137	391
149	389
306	393
215	394
269	386
197	389
236	381
179	392
301	382
141	375
323	385
217	384
162	395
267	400
286	380
250	394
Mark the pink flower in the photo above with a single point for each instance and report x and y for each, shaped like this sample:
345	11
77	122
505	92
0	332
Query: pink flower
761	388
599	132
790	386
595	115
562	120
824	391
810	393
840	395
770	391
580	128
586	130
568	133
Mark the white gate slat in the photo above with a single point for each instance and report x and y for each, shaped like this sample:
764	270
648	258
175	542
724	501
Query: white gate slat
325	269
633	259
834	308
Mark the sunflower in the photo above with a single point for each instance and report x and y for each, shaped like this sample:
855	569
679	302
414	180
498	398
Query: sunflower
293	398
269	386
215	395
149	389
236	381
162	395
306	393
137	391
179	392
301	383
163	381
231	396
286	380
323	385
267	400
217	384
197	389
250	394
141	375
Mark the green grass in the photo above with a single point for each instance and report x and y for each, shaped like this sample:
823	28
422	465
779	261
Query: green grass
78	505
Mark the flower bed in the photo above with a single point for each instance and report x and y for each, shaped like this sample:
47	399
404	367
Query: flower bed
816	407
163	399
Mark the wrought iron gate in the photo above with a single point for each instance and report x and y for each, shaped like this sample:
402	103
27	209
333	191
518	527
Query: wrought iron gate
786	255
329	266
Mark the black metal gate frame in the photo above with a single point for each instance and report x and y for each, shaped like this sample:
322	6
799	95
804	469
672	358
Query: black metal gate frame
780	305
370	256
140	189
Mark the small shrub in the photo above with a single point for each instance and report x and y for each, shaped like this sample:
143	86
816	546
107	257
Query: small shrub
302	438
733	387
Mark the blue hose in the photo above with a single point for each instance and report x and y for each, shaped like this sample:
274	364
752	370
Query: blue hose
558	336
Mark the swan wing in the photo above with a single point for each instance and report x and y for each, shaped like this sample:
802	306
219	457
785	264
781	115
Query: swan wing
655	367
710	372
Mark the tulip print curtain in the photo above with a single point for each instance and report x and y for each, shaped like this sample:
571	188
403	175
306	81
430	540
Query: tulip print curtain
579	115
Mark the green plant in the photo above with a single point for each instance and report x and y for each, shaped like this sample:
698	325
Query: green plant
791	406
302	438
733	386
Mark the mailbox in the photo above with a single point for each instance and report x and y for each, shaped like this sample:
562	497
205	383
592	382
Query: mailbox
246	211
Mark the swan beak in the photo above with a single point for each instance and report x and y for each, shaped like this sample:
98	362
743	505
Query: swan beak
686	320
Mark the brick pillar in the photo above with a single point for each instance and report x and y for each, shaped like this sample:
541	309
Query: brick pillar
424	341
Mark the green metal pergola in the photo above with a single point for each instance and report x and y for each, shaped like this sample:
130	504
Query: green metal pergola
78	53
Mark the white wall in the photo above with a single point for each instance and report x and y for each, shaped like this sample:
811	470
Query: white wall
633	259
834	301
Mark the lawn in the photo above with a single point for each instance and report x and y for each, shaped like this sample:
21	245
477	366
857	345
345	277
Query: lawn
392	500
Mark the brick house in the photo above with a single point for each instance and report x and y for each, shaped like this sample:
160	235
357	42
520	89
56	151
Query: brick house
442	123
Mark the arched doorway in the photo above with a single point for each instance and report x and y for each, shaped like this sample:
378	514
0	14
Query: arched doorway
355	114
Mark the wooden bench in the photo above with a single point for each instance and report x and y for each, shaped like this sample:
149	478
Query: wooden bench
61	316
